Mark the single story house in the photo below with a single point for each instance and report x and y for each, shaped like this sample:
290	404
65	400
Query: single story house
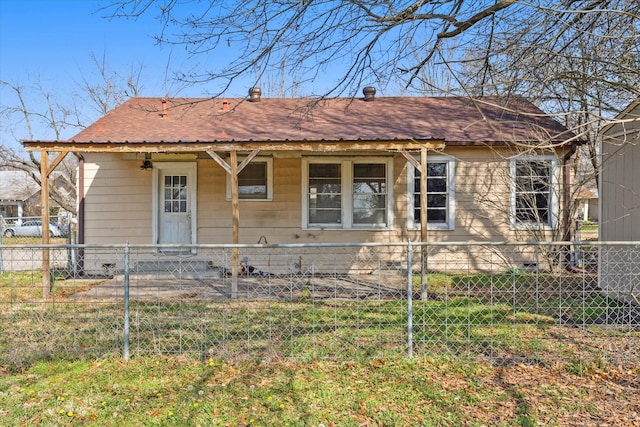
20	196
620	203
17	192
249	170
587	204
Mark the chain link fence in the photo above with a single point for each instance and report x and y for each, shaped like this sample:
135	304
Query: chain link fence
508	302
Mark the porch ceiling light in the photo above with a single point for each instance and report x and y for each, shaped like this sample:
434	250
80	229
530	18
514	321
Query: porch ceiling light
146	163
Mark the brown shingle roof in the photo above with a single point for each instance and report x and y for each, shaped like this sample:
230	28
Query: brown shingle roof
456	120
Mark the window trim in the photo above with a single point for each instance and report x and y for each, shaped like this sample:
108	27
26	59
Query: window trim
553	196
450	224
346	222
257	159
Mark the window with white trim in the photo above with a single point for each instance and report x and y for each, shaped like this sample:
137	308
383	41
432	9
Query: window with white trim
255	180
346	194
534	192
440	193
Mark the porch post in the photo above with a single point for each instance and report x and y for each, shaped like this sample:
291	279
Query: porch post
423	220
44	201
235	212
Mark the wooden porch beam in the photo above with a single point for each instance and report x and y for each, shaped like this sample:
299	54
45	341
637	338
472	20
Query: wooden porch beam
46	170
411	159
219	160
198	146
233	169
56	162
44	200
246	161
423	195
215	156
422	167
235	212
424	236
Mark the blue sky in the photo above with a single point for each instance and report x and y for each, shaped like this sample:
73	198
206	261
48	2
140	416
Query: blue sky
54	38
50	41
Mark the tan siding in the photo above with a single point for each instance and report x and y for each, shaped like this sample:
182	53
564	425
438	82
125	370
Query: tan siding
279	219
482	195
620	182
117	200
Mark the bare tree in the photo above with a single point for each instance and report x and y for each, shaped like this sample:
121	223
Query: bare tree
37	109
584	74
24	119
370	42
577	59
112	89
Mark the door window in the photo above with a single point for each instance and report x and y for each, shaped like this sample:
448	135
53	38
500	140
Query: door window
175	194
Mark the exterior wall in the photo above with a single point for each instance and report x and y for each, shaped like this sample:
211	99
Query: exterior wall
620	207
620	183
118	204
278	220
118	199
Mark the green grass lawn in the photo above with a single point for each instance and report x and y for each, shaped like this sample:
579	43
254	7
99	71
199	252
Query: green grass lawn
318	363
426	391
508	316
588	226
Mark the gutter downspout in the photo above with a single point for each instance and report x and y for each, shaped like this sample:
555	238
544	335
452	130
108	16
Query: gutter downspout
566	193
80	237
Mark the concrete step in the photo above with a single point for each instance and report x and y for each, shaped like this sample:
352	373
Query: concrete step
175	269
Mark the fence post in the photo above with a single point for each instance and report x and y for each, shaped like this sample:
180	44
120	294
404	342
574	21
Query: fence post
409	300
125	353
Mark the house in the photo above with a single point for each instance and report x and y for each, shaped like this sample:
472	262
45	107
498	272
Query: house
19	195
587	204
186	171
620	203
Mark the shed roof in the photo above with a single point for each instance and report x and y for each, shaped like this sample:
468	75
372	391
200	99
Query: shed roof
630	114
456	120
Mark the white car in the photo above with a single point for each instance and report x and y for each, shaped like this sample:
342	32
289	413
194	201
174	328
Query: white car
32	229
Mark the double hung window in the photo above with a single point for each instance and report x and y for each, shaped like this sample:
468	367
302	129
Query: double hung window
255	180
534	192
346	193
440	194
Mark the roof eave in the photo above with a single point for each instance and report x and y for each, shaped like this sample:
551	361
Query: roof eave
200	146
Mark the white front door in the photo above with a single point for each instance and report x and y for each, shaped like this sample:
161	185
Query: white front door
174	211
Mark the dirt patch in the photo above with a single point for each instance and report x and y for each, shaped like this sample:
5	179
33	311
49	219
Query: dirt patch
266	288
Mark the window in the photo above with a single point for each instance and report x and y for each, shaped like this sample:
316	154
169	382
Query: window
533	192
175	193
346	193
9	211
325	193
440	194
252	181
255	180
369	194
